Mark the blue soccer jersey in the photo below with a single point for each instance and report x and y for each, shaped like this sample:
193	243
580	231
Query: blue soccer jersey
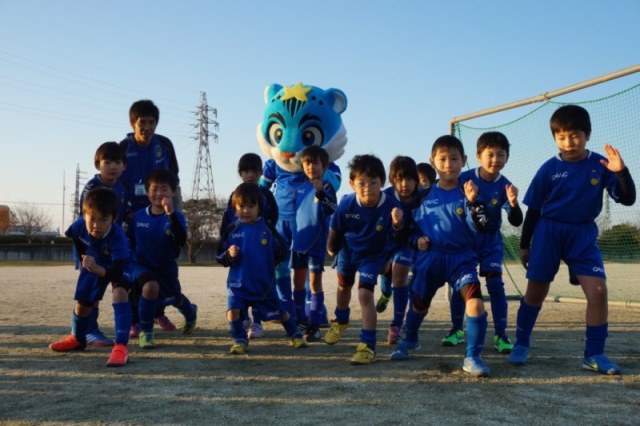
313	214
143	159
251	273
287	185
118	188
154	241
367	232
571	192
445	218
112	252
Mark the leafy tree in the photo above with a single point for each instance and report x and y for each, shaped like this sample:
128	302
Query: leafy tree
620	242
203	218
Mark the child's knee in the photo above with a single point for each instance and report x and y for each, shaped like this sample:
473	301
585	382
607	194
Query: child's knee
233	314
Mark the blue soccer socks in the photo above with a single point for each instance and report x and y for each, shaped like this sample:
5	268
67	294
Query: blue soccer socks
476	332
122	317
527	316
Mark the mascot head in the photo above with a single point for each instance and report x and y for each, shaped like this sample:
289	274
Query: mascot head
298	116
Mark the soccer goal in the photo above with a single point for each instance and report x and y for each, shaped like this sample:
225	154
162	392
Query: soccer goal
615	119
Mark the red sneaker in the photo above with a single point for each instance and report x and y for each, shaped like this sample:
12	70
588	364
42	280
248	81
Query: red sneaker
119	356
69	343
134	332
164	323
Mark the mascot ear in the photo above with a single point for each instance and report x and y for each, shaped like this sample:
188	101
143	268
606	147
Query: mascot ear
338	100
270	91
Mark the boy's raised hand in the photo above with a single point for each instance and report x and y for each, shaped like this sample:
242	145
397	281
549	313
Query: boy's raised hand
614	161
470	191
396	217
233	250
512	194
167	205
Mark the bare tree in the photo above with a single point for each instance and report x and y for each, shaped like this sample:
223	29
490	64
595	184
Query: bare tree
30	219
203	218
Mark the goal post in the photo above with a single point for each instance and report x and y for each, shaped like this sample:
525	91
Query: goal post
615	119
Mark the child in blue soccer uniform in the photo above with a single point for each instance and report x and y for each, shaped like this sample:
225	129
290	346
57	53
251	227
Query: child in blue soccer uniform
145	151
403	176
426	178
315	203
110	162
563	200
286	185
250	171
497	193
443	231
360	235
158	232
251	247
106	257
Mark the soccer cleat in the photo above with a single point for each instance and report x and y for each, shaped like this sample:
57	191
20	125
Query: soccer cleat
69	343
298	342
519	355
332	336
601	364
403	350
364	355
134	331
145	340
164	322
312	334
502	344
189	326
238	348
454	338
475	366
255	331
119	356
97	338
383	301
392	335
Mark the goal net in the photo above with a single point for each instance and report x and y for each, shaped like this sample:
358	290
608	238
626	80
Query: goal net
615	119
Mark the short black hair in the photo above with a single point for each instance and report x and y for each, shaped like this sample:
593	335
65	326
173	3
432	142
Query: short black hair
313	153
109	151
247	193
570	117
101	199
369	164
449	142
250	162
492	140
402	166
427	170
143	108
161	176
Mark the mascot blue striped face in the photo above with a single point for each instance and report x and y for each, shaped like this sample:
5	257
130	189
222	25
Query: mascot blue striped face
298	116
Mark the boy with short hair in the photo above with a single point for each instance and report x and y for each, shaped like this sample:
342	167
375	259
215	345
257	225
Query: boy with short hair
250	171
315	203
158	232
563	200
110	162
360	235
426	175
497	193
443	232
106	257
403	176
145	151
251	247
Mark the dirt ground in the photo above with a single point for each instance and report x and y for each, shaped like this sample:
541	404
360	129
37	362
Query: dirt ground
192	380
